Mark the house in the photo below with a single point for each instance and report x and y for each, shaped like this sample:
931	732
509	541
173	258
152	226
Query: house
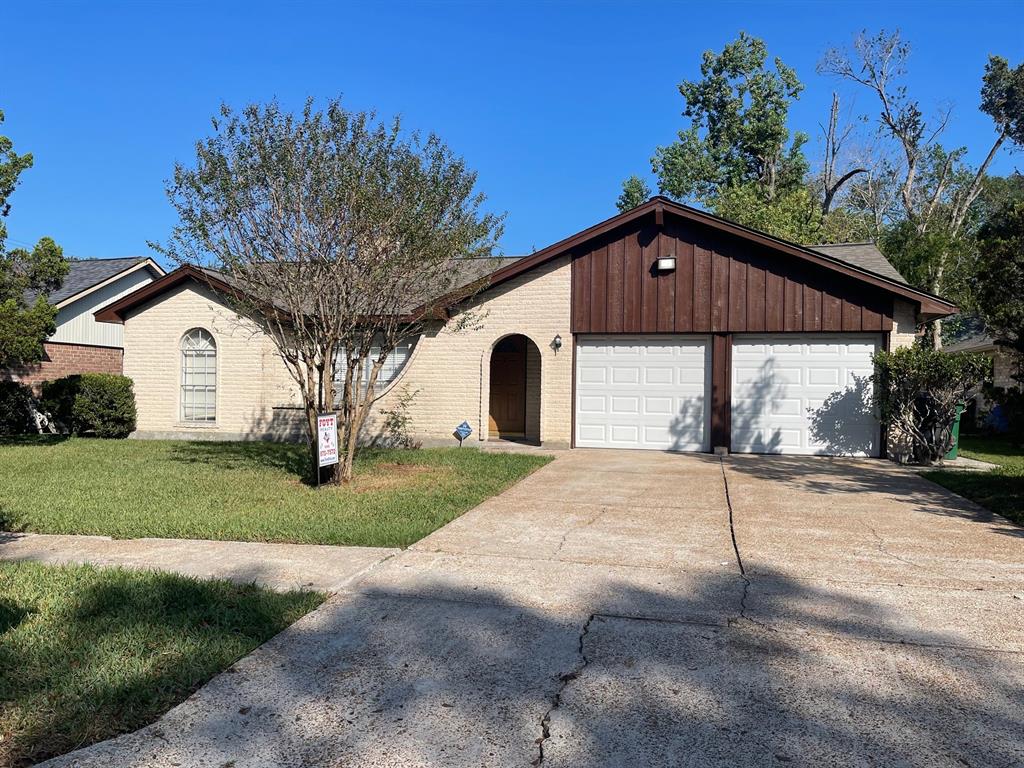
80	343
662	328
1005	367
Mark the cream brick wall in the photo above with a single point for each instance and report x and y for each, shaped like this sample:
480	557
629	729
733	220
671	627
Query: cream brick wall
256	397
904	325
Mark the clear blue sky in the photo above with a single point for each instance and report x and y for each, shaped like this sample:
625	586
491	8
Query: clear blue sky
553	103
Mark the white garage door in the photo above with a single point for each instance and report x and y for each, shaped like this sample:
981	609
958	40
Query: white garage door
642	392
804	394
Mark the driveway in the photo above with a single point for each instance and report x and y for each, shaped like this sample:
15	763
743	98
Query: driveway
633	608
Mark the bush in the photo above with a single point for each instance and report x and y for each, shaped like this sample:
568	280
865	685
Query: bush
100	404
17	409
917	390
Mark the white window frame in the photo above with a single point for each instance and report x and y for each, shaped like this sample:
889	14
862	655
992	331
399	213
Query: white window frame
182	385
382	386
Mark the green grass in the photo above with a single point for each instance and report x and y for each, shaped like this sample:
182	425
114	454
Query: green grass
1002	489
87	653
241	491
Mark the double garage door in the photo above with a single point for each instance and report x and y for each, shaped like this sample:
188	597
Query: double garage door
799	394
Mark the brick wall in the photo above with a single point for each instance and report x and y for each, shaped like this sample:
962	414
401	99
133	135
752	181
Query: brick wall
65	359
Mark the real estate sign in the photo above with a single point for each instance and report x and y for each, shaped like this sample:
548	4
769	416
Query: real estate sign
327	438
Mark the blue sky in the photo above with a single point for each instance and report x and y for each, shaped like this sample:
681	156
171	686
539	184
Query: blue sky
553	103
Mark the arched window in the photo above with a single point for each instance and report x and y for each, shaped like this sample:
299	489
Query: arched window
198	377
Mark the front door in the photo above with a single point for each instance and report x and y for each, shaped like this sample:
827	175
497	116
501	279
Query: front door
508	388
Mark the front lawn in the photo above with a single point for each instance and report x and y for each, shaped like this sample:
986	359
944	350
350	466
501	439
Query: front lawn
1002	489
241	491
87	653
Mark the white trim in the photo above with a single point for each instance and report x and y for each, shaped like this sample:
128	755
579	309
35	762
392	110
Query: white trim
112	279
179	420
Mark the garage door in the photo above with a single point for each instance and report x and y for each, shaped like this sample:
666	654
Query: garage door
642	392
804	395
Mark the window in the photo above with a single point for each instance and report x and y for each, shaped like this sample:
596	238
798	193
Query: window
393	365
198	377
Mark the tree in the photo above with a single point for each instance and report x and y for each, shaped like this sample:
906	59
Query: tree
634	192
26	277
936	189
999	285
338	236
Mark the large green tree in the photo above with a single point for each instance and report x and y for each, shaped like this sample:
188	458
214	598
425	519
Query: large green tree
26	276
999	283
737	157
634	192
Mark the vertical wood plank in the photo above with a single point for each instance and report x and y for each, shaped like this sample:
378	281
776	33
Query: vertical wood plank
649	302
812	309
755	298
719	291
684	287
793	309
701	289
774	301
632	284
616	254
737	294
721	390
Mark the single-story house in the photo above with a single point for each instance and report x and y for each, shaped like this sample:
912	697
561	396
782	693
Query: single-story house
662	328
80	343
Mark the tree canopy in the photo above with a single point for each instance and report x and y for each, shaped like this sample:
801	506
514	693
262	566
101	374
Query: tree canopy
26	276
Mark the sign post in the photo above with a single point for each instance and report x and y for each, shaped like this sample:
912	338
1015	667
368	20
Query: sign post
326	442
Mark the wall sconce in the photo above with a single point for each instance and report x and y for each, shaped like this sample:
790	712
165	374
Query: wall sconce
556	343
666	263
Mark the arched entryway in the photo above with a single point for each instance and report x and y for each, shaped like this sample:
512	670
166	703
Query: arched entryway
514	406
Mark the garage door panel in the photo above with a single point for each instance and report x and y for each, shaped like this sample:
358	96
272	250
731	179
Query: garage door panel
812	395
653	392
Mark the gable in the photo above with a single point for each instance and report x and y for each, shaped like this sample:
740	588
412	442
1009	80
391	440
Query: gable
722	282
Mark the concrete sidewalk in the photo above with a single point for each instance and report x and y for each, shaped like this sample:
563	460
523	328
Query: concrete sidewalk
278	566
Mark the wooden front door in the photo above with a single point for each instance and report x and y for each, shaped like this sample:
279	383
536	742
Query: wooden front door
508	388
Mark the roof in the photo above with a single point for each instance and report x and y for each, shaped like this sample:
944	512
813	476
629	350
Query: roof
864	256
860	261
85	274
468	272
930	305
975	343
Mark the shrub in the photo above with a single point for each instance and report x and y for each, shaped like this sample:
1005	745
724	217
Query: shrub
100	404
917	390
17	409
397	421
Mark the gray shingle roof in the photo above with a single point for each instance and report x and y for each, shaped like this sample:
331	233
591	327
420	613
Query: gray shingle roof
864	256
83	274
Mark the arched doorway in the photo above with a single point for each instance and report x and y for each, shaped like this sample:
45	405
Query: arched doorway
514	406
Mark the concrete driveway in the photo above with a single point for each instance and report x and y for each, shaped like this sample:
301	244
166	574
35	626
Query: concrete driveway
633	608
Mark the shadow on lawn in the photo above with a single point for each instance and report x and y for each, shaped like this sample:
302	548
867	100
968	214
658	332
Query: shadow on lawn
122	651
464	676
287	457
28	441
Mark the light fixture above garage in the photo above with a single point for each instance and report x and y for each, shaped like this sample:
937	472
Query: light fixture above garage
666	264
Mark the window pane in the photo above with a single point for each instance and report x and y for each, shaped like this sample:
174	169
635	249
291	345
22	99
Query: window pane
198	376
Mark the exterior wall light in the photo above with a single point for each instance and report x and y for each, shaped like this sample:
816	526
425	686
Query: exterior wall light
666	263
556	343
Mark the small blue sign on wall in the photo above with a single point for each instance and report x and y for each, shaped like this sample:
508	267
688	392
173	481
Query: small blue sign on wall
463	431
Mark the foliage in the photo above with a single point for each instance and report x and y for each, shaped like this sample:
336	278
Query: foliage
91	653
793	215
16	409
1011	405
634	192
999	284
737	134
397	421
251	491
100	404
339	233
917	391
26	277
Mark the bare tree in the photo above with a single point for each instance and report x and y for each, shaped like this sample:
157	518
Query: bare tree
337	236
936	190
836	138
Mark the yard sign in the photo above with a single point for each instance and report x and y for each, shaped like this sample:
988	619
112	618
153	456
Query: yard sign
327	438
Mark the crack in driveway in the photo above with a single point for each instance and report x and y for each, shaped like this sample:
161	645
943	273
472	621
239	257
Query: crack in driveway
739	558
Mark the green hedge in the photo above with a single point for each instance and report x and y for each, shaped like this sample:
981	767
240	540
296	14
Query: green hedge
100	404
16	401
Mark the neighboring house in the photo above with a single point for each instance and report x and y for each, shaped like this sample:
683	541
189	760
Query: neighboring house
81	344
663	328
1004	368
